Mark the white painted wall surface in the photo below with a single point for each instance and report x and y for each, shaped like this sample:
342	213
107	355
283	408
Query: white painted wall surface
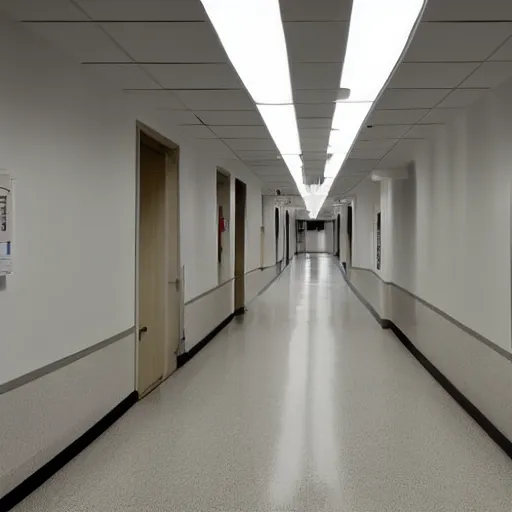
69	141
320	241
366	207
448	225
269	245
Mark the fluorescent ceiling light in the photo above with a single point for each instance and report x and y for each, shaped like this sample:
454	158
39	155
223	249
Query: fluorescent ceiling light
282	125
252	34
378	33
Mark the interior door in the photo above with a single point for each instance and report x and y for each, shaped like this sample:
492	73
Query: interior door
174	277
151	260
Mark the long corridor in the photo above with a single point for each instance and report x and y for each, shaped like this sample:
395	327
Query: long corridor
303	404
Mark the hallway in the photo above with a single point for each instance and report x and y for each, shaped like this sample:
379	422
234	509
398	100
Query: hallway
303	404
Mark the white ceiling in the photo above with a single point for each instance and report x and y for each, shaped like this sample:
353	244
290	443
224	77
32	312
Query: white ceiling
461	49
165	54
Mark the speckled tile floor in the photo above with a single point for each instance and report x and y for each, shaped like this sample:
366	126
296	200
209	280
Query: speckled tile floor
305	404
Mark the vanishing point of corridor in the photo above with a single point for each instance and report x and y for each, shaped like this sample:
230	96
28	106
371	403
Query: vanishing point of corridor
303	404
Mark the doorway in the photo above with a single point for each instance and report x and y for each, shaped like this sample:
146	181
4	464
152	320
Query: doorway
349	235
276	223
287	225
158	310
240	201
223	220
338	235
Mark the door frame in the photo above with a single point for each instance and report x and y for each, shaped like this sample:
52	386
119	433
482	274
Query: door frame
277	219
240	245
144	131
287	231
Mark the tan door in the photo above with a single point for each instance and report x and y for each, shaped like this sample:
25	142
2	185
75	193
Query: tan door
152	275
174	278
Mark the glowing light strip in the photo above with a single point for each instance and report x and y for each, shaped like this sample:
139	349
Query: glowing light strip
252	34
378	34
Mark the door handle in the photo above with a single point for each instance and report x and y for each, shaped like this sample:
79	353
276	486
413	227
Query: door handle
142	331
175	283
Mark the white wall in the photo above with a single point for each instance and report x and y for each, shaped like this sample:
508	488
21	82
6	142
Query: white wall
447	227
69	142
365	209
320	241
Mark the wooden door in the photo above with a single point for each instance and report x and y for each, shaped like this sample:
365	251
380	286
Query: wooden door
174	301
151	261
240	199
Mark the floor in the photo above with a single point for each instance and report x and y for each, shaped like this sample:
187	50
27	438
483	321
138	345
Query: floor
305	404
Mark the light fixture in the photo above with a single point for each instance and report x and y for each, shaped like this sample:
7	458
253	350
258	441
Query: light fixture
251	32
378	33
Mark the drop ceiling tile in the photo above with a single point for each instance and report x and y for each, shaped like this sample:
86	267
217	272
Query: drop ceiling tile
384	132
456	10
314	96
314	133
230	117
215	99
504	52
269	170
324	122
423	131
461	98
314	110
311	156
375	144
277	180
431	74
271	156
85	42
124	76
359	165
320	10
154	98
315	75
37	10
178	117
194	76
456	42
143	10
490	74
411	98
168	42
198	132
314	144
315	166
316	41
241	132
374	153
440	115
250	144
396	116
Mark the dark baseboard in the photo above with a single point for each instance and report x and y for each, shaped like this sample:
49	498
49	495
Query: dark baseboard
239	311
485	423
187	356
19	493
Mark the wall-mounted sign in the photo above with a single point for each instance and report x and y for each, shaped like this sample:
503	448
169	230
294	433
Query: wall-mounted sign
378	241
5	224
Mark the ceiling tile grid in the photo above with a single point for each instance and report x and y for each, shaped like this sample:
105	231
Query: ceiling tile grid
449	64
166	55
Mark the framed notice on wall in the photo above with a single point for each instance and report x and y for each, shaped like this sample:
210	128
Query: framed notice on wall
379	252
5	223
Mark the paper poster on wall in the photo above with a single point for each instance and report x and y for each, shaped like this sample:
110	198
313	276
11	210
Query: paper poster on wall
378	241
5	224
